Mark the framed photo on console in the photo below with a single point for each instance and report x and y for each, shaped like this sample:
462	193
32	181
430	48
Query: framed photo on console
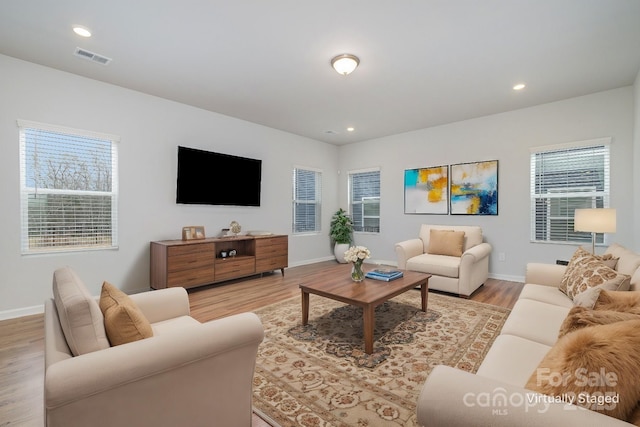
474	188
193	232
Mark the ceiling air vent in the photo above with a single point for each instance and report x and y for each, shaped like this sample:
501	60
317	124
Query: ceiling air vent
82	53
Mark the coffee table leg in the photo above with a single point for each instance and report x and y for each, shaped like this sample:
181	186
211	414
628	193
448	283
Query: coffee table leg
305	307
369	324
424	294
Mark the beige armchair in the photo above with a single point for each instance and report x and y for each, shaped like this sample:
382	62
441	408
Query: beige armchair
455	256
187	374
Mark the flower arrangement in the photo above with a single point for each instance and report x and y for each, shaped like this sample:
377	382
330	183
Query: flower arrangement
356	255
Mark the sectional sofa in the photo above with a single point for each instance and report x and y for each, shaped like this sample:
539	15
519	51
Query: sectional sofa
496	394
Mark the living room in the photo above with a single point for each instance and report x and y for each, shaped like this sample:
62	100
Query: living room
147	175
151	128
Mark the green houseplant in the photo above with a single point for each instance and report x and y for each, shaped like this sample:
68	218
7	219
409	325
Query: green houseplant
341	233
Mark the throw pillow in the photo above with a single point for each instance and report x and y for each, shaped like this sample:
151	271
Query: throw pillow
123	321
446	242
618	300
589	297
80	317
608	259
581	317
595	368
586	271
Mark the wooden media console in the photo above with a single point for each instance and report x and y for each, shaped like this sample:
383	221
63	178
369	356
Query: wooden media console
191	263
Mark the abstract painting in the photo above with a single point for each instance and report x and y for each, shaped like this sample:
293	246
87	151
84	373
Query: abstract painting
474	188
426	190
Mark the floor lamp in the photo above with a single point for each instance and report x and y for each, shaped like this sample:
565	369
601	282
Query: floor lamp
601	220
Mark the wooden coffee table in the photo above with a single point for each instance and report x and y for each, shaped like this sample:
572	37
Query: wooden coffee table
367	294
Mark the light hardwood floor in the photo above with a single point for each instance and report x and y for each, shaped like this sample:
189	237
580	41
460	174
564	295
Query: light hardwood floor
22	344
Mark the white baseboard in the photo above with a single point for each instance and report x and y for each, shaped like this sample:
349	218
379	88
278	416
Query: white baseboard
312	261
20	312
507	278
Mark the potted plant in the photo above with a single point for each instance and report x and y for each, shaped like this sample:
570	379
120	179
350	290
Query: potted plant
341	231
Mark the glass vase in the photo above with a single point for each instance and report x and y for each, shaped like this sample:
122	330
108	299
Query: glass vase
357	275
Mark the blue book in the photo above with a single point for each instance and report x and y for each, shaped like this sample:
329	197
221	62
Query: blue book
384	275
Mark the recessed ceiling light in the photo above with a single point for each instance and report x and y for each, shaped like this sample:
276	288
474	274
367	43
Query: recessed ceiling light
350	129
81	31
519	86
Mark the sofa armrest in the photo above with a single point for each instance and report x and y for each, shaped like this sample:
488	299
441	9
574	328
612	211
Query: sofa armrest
545	274
474	268
162	304
408	249
159	380
475	254
452	397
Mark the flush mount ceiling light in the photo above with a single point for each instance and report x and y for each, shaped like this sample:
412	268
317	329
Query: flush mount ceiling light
519	86
345	64
81	31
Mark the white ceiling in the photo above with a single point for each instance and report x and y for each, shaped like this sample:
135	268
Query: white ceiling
422	62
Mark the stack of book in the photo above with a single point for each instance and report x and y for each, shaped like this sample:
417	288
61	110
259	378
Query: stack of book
385	275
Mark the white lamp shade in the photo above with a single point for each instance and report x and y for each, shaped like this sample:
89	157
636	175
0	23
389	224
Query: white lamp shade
601	220
345	64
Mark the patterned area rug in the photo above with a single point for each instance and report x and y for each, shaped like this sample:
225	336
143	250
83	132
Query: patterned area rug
318	375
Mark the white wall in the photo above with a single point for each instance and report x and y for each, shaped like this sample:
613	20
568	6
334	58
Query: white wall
506	137
150	129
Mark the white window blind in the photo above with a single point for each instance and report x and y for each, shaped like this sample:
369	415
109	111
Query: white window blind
307	191
364	200
565	178
68	188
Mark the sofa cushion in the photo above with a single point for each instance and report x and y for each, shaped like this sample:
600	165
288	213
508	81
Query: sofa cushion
440	265
544	293
596	362
628	261
511	359
586	271
536	321
446	242
80	317
175	325
123	321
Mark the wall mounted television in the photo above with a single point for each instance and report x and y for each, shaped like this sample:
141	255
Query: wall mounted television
208	178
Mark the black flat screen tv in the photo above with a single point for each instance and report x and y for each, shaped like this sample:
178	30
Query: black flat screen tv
208	178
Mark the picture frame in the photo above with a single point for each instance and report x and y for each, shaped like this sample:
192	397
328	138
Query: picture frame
473	188
193	232
426	190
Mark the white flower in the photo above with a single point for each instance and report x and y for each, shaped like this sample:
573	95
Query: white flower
357	253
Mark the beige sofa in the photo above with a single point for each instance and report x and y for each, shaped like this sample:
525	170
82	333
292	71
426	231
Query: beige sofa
495	395
187	374
460	275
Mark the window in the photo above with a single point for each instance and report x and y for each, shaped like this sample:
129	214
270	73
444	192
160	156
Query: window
307	189
364	200
565	178
68	189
